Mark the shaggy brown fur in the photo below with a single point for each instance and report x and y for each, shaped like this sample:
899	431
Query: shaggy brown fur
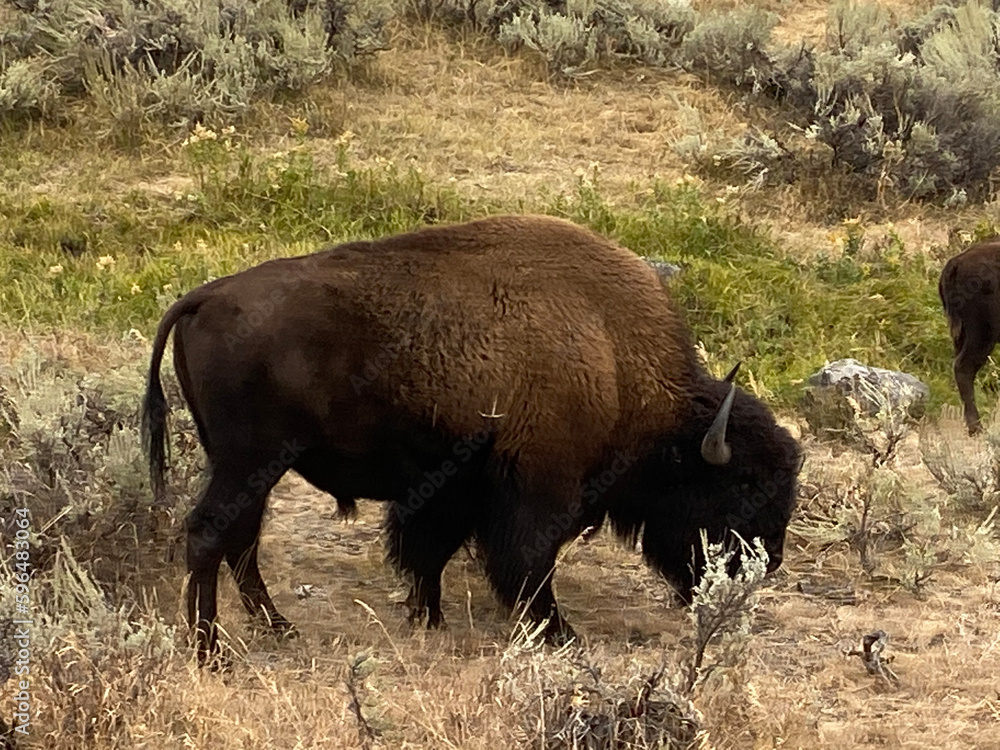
511	380
970	293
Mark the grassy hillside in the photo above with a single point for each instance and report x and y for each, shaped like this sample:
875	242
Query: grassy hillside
111	206
111	261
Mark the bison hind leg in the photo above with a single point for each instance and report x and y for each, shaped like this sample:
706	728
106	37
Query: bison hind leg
972	351
226	524
347	508
421	539
254	595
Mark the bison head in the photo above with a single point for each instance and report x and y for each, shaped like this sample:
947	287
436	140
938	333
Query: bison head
732	468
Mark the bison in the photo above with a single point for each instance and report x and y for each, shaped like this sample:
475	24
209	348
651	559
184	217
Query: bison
508	382
969	288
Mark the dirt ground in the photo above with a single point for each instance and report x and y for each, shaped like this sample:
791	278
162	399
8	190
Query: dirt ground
802	689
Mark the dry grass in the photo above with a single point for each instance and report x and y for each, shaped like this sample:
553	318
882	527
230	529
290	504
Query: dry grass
446	689
475	685
489	123
485	119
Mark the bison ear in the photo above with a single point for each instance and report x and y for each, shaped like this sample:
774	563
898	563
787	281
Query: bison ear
714	448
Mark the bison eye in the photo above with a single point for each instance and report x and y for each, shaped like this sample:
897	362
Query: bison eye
670	455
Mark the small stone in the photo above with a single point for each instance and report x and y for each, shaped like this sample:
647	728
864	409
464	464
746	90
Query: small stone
825	404
664	268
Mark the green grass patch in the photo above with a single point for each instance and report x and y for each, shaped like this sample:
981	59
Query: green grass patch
748	301
115	262
112	264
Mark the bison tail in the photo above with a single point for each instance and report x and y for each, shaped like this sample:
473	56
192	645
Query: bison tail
154	403
947	282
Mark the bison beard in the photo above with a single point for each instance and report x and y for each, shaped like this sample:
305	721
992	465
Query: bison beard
509	381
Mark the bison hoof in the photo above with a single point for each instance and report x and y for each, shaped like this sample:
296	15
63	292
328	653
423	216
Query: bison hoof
682	597
214	661
561	634
416	617
275	624
286	633
220	663
436	623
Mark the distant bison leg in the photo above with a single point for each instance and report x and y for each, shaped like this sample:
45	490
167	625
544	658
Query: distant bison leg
521	542
972	349
421	541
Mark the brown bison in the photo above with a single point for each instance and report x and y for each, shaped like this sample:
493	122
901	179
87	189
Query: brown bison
510	381
970	293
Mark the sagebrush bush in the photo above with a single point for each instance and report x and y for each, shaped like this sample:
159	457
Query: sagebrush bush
74	460
757	157
967	470
26	89
723	607
731	47
92	661
177	61
569	700
882	517
916	110
578	35
566	42
912	107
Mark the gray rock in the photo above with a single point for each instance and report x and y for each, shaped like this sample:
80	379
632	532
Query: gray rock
663	268
826	405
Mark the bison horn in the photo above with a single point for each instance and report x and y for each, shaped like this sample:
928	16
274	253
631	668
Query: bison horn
732	373
714	448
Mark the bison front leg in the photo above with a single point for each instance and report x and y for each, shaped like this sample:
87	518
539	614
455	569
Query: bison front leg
521	545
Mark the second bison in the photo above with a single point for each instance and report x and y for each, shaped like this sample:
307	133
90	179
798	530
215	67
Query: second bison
969	288
509	381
